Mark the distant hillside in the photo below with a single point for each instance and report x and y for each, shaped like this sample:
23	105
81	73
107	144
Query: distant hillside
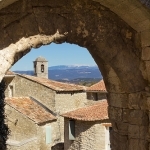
71	73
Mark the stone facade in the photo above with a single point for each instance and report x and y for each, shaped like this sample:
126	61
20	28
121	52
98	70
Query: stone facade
26	134
87	128
88	135
41	67
25	87
69	101
57	102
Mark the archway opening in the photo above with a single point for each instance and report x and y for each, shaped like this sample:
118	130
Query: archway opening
62	59
75	99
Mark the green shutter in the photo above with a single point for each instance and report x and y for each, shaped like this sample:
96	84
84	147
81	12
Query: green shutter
48	134
71	129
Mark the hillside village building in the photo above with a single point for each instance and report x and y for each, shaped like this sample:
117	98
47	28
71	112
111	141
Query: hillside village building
55	97
96	92
34	105
30	124
89	127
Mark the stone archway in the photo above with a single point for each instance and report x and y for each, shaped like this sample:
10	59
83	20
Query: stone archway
113	44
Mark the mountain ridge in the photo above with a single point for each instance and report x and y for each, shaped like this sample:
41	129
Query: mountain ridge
70	73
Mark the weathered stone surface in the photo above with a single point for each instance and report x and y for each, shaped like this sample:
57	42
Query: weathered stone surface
108	38
147	63
119	142
145	36
115	113
144	132
136	144
29	29
137	101
138	117
122	128
16	26
134	131
146	53
118	100
125	115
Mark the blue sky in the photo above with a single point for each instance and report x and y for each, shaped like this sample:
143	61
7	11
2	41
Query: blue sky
56	54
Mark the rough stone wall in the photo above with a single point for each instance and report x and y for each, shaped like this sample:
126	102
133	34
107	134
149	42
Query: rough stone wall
55	135
59	103
91	98
88	136
114	45
26	87
23	129
66	102
130	120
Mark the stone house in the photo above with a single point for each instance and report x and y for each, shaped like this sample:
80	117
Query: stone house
87	128
96	92
55	97
32	127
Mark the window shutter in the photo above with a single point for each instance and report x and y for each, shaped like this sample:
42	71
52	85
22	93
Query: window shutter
48	135
71	129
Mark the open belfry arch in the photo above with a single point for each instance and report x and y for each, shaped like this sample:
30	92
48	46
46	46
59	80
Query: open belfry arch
116	33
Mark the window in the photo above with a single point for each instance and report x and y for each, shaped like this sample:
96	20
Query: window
48	134
10	91
34	68
42	68
107	138
71	129
95	96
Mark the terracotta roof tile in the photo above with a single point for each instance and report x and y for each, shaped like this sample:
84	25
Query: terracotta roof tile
90	113
100	86
30	108
55	85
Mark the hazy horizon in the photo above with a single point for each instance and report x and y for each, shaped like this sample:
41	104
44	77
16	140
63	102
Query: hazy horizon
56	54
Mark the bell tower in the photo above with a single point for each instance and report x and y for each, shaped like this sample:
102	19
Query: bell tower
41	67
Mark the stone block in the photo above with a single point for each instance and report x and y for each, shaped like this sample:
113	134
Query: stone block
144	132
118	100
148	103
124	7
115	113
136	101
143	25
146	53
145	38
30	29
143	144
136	144
133	131
119	142
125	115
122	128
138	117
19	31
147	63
